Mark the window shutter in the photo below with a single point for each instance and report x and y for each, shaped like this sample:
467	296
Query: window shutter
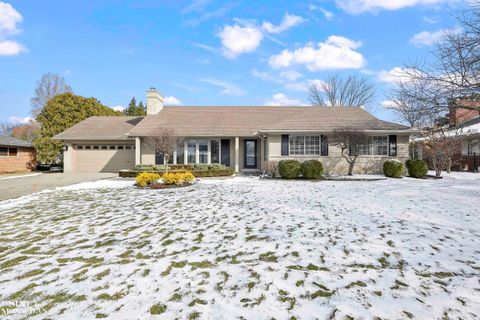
392	146
284	144
324	145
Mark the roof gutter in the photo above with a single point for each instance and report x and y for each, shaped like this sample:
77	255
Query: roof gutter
404	131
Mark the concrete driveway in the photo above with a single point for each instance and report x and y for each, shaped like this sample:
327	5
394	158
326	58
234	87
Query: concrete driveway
21	186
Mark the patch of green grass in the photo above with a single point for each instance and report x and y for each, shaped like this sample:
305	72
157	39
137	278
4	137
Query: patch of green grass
100	316
158	309
77	277
116	296
29	274
19	294
88	261
356	284
146	272
322	294
295	254
384	262
391	243
399	284
197	301
300	283
176	297
201	264
13	262
167	242
194	315
268	257
199	238
126	254
101	275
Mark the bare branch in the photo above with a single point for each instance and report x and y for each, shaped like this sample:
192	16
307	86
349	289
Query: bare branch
50	85
164	142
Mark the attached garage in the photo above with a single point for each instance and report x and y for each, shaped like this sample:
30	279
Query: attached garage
103	158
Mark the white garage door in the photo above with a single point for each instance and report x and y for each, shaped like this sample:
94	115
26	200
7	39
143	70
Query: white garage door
104	158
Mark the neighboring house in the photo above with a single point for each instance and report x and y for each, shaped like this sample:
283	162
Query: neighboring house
16	155
239	137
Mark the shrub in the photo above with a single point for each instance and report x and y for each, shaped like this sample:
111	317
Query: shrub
416	168
146	178
208	167
198	174
289	169
271	168
311	169
177	178
393	168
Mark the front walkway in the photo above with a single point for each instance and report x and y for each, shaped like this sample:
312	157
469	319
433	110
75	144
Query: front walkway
21	186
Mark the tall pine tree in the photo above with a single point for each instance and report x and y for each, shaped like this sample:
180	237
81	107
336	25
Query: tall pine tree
134	110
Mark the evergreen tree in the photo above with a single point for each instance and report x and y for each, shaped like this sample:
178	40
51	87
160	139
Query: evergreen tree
60	113
133	110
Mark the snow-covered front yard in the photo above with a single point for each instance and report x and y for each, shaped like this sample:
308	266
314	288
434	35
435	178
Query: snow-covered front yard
245	248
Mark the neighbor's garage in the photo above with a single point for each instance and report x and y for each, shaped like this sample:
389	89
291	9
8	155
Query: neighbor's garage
103	158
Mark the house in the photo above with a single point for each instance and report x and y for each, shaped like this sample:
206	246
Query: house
16	155
241	138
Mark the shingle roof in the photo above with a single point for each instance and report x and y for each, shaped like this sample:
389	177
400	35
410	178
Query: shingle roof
100	128
14	142
247	121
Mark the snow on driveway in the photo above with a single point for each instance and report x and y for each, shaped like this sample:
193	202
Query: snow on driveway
245	248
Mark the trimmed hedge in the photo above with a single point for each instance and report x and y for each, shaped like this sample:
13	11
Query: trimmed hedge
311	169
393	168
177	178
289	169
416	168
146	178
197	173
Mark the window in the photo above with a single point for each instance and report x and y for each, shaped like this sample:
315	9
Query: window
3	151
12	152
181	154
470	147
111	147
192	151
214	151
304	145
79	147
104	147
88	147
96	147
203	151
128	147
377	146
119	147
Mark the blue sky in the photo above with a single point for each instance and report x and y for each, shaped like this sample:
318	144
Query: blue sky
206	52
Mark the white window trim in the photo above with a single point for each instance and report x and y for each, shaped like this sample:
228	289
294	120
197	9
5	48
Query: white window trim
319	154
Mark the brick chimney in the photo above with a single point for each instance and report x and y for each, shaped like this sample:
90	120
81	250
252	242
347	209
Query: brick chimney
154	101
458	115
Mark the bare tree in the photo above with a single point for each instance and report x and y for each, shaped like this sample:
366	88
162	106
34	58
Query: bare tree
165	142
350	142
405	108
50	85
351	91
6	128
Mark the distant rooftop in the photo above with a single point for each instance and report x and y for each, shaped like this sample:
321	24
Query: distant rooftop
14	142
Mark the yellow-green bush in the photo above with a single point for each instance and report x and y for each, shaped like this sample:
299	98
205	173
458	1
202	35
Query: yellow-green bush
177	177
146	178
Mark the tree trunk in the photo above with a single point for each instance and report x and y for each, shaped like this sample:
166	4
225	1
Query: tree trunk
449	164
350	168
436	166
166	159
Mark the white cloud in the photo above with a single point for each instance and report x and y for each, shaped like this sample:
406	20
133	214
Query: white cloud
266	76
427	38
10	48
118	108
18	120
303	85
431	20
237	40
396	74
359	6
335	53
172	101
328	14
280	99
205	47
288	21
290	75
227	88
9	17
388	104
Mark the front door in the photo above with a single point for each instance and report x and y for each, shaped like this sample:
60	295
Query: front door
250	148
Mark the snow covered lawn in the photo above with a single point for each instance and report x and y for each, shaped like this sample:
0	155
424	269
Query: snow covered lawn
246	248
